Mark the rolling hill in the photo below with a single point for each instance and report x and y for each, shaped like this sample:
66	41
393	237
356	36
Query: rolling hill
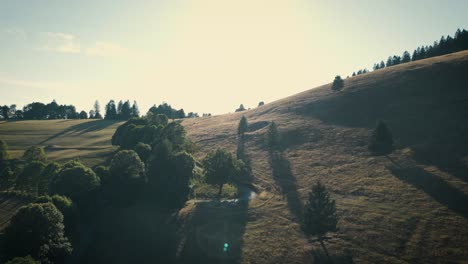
411	207
408	207
89	140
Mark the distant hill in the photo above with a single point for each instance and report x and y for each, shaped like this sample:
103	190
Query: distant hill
89	140
410	207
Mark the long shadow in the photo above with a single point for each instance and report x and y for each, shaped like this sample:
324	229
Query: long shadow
137	234
446	157
214	233
83	128
283	177
436	187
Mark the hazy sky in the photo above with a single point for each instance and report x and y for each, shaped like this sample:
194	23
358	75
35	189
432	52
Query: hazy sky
202	55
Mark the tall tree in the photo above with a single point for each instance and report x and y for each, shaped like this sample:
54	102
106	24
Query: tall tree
406	57
135	110
5	112
111	111
97	110
320	214
119	107
126	111
273	137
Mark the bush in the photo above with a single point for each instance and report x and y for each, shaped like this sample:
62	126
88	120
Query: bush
34	153
4	155
37	230
338	83
22	260
7	179
381	142
76	182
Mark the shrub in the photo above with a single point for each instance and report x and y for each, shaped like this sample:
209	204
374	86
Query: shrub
4	155
22	260
35	153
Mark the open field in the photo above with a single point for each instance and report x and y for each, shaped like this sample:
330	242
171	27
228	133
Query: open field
89	140
409	207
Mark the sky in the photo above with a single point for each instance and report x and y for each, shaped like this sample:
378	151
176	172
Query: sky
206	56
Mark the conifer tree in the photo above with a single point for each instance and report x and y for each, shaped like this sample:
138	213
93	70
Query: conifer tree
320	214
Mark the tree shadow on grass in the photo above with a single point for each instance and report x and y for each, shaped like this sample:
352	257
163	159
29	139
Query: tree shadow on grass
82	128
137	234
436	187
283	177
214	233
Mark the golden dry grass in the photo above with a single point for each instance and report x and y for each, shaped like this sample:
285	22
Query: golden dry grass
88	140
411	212
415	214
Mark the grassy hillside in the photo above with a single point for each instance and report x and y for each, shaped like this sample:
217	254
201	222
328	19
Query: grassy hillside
410	207
90	140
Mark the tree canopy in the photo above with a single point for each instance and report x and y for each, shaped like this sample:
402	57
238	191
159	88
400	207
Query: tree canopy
220	167
75	181
37	230
34	153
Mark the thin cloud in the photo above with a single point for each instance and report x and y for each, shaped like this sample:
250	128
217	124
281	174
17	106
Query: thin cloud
33	84
61	42
106	49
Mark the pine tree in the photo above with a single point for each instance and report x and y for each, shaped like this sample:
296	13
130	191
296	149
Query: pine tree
320	214
382	64
273	137
381	142
135	110
406	57
97	110
242	128
111	111
338	83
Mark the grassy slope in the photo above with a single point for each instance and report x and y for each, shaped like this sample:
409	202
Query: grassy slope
386	214
63	139
415	212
